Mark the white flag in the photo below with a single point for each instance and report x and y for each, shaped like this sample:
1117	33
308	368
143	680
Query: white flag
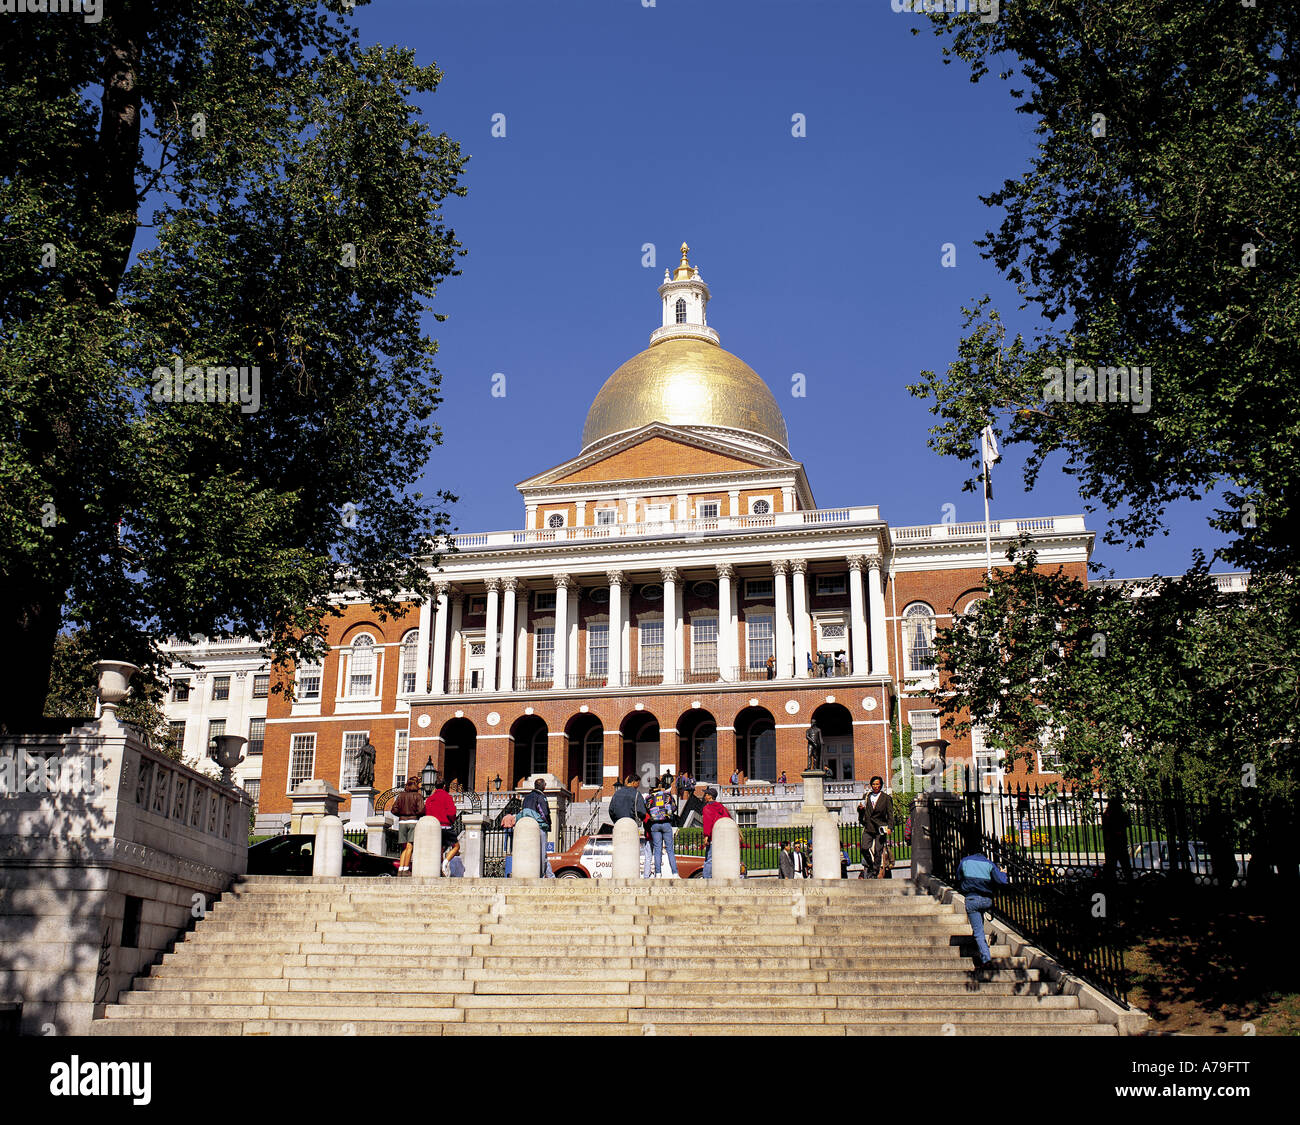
989	446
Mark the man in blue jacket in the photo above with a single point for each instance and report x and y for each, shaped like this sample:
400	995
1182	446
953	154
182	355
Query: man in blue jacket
978	876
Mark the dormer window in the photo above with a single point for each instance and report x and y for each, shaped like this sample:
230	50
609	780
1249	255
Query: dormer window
681	311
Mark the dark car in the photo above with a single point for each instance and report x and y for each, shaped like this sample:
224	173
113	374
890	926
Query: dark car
292	855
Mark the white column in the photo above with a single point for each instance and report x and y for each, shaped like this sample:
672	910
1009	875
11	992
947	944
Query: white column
671	613
876	609
574	591
521	645
627	626
802	622
422	649
733	502
440	639
490	635
530	516
787	498
784	660
615	579
727	659
683	506
457	639
581	519
857	618
508	585
560	659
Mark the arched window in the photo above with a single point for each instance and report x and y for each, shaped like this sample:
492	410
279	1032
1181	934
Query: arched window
410	649
361	666
681	311
704	752
918	637
593	755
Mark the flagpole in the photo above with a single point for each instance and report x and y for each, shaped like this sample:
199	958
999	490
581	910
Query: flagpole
988	539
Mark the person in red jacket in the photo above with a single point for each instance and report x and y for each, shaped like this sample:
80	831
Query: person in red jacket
714	811
441	805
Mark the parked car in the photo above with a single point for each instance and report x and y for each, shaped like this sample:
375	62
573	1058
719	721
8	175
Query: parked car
592	857
292	855
1153	858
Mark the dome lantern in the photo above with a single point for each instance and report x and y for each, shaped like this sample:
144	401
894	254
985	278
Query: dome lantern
685	298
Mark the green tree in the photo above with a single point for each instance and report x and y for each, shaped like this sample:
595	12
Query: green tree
1158	225
1175	680
294	197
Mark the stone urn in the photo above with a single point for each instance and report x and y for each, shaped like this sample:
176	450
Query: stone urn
228	753
114	683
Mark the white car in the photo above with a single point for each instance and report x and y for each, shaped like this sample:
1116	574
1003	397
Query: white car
1153	856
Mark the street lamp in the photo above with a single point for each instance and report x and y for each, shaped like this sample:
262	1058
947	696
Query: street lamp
429	777
495	783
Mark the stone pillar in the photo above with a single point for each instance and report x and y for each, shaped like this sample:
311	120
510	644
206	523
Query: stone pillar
627	850
727	659
311	801
530	516
560	657
615	658
508	586
471	844
826	848
814	795
426	859
490	634
923	829
457	640
521	640
784	659
527	856
580	520
726	849
327	857
857	618
439	685
422	649
574	610
363	807
876	619
802	621
672	610
733	502
375	830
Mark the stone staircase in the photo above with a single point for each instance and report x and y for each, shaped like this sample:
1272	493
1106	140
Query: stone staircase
285	956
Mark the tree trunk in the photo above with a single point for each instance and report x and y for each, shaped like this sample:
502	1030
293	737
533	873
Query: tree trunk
27	635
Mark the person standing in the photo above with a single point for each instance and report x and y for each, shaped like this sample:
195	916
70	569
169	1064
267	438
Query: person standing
785	861
408	808
770	664
662	813
536	805
628	804
441	806
1114	838
876	816
978	877
714	811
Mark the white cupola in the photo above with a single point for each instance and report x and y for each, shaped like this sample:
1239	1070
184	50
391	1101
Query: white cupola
685	298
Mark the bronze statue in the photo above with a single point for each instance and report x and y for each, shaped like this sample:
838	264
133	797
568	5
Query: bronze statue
366	767
814	736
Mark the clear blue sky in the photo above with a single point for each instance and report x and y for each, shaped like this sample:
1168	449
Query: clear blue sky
628	125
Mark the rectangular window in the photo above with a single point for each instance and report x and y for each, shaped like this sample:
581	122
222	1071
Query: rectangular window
176	736
477	606
652	646
253	787
831	584
758	588
762	643
597	650
220	687
261	686
593	761
544	652
707	509
352	743
215	727
605	517
180	691
361	670
925	726
543	600
256	735
399	758
309	683
302	760
747	818
409	654
704	644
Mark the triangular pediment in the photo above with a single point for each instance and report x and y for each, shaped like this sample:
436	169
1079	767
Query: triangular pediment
657	451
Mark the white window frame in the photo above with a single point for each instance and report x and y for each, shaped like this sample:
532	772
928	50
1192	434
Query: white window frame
563	517
251	740
301	744
841	579
751	594
912	670
701	514
410	654
542	670
401	754
606	517
344	750
540	602
376	667
596	628
752	619
218	680
216	728
770	501
656	665
179	684
316	670
258	676
697	623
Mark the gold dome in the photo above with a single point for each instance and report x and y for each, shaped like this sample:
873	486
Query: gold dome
685	382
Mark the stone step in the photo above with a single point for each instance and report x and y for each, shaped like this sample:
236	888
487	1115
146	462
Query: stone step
415	1012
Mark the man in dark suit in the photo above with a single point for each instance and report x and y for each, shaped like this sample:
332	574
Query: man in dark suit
876	815
785	860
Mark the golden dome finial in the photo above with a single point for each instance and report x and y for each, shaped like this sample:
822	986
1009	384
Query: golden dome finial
684	271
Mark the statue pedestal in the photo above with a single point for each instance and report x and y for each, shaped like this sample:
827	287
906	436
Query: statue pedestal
363	808
814	798
311	801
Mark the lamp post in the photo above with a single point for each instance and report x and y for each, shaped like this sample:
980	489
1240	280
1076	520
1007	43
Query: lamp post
428	777
488	787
